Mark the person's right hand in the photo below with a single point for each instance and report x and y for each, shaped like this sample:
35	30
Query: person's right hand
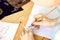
44	21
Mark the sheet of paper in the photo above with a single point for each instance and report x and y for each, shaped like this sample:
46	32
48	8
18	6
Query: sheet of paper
7	30
43	31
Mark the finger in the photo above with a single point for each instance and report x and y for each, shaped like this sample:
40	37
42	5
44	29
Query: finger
21	36
38	16
39	20
33	20
26	33
23	33
37	23
37	26
30	32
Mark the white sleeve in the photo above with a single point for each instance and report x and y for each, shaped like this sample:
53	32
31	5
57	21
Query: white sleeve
57	36
58	9
58	21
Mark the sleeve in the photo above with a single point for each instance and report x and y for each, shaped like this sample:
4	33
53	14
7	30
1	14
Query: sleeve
58	24
58	9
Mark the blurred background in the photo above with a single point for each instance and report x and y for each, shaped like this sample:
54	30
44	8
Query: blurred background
8	7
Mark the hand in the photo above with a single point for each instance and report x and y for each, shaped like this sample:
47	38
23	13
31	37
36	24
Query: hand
27	35
44	21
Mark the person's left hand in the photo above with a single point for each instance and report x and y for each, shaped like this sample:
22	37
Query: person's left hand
27	35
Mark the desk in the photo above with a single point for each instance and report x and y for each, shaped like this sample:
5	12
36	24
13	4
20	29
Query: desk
15	18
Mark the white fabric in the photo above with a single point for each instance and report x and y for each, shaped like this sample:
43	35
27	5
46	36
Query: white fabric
57	35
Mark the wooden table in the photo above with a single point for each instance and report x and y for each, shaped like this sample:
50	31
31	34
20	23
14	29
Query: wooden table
21	18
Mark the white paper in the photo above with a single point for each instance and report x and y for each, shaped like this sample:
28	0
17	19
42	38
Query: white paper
43	31
7	30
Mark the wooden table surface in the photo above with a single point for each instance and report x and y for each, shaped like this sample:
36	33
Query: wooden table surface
21	18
